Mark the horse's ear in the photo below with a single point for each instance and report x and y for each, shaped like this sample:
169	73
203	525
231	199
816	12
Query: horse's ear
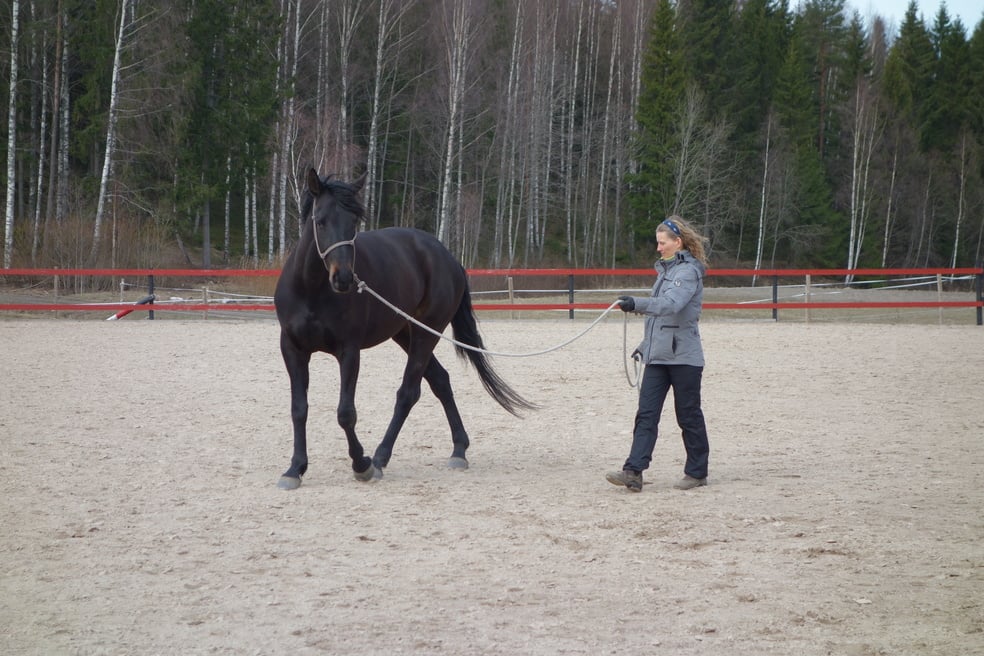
313	182
360	181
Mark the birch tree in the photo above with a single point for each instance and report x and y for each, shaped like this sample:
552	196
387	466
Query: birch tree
507	143
390	42
764	194
540	140
608	113
56	123
963	170
41	139
458	31
111	119
890	205
866	131
289	135
569	130
349	14
8	241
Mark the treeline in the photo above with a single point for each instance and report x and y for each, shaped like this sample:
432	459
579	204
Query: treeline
521	133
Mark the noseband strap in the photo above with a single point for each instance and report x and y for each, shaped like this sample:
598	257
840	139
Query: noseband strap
317	245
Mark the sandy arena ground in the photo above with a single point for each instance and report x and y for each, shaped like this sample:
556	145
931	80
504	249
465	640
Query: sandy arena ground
140	513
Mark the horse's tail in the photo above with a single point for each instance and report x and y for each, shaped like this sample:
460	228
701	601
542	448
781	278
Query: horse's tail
466	331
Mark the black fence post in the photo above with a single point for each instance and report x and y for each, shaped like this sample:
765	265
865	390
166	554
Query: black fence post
775	298
980	293
570	295
150	292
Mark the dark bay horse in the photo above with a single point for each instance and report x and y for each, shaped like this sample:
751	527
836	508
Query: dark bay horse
320	308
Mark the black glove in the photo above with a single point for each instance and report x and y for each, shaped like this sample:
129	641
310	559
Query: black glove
626	303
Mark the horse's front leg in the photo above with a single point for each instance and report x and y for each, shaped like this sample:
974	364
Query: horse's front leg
348	367
298	369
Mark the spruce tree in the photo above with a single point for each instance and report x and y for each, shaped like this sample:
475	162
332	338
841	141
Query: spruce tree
946	110
761	39
909	68
814	233
663	84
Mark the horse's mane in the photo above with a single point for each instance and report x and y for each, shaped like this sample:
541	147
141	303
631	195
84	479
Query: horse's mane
344	194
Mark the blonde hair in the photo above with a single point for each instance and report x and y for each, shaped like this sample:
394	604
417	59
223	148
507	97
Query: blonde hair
693	241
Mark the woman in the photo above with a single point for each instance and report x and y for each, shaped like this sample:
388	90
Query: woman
672	353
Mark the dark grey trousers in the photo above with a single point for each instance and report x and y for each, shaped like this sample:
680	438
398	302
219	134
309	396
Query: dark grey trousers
657	379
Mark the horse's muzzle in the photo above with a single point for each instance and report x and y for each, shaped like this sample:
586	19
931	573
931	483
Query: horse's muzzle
342	279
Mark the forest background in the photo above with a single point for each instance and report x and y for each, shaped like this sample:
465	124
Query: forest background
521	133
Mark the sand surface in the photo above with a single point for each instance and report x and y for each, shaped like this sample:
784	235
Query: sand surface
139	512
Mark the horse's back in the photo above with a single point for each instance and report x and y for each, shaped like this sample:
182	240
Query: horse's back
409	252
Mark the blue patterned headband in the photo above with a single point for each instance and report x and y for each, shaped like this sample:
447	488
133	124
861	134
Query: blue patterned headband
673	227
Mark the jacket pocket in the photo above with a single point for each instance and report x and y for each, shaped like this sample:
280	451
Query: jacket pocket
663	347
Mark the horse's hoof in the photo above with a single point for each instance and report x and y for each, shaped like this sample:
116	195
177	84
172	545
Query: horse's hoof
370	474
288	483
455	462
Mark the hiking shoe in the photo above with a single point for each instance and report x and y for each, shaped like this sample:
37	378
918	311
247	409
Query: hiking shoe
630	479
689	483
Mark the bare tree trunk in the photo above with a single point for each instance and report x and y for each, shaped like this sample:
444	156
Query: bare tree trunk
111	120
60	181
458	36
8	241
889	207
288	141
592	40
603	165
56	90
349	17
569	210
923	221
548	102
763	200
501	231
247	211
226	247
391	13
280	170
42	136
961	193
537	143
866	135
274	179
255	229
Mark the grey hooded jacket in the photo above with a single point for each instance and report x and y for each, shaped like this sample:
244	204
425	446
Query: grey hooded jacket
672	313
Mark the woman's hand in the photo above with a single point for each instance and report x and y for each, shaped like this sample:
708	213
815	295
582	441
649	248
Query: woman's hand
626	303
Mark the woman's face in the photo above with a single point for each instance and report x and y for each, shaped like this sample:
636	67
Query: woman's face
667	244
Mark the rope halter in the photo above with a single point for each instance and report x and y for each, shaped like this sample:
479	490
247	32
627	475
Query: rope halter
323	254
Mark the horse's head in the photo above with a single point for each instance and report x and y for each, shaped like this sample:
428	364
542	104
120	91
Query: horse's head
335	213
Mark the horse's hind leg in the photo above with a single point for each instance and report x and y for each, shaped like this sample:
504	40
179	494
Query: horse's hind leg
406	397
419	349
440	383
